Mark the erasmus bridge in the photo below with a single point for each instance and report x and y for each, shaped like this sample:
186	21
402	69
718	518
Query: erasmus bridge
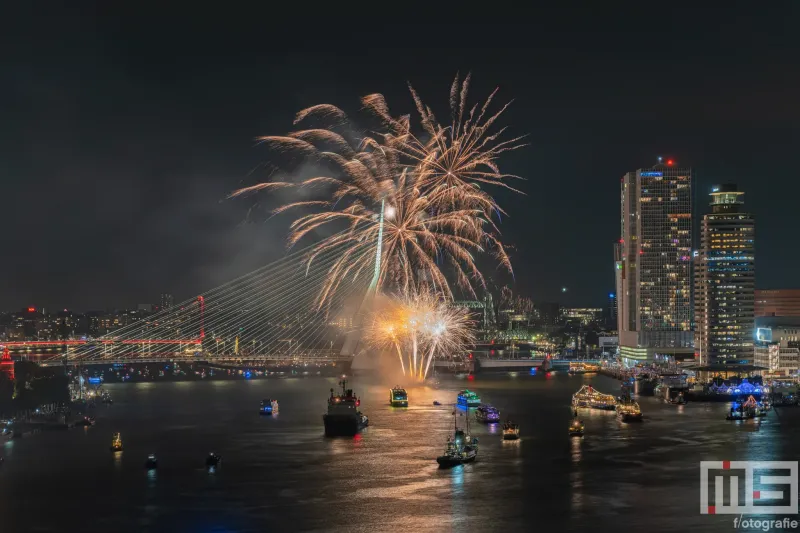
272	314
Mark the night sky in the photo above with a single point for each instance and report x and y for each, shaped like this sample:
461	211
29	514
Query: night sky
121	133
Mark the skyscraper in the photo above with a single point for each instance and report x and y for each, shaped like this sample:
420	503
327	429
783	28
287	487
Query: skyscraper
166	300
653	263
725	280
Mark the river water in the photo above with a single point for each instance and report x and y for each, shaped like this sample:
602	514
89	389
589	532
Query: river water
280	473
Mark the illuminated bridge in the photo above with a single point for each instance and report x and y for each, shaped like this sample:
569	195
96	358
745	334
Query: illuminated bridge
270	315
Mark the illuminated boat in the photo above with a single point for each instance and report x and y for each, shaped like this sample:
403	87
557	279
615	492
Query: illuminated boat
680	399
629	412
745	411
576	428
213	460
588	397
467	399
151	463
116	443
487	413
86	421
510	431
269	407
461	447
398	397
343	417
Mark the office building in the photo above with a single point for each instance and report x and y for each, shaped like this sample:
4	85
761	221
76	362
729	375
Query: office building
653	264
725	280
582	315
778	350
777	302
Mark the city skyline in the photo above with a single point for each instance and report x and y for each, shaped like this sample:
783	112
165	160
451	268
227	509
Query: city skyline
151	195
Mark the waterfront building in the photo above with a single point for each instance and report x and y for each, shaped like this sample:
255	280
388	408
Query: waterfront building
582	315
778	350
653	264
725	280
777	302
166	301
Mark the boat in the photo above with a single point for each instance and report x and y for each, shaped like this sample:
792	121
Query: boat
437	402
680	399
745	411
269	407
467	398
461	447
398	397
151	463
588	397
510	431
213	460
629	412
116	443
343	417
86	421
487	413
576	428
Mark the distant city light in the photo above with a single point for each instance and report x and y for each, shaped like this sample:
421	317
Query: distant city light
563	289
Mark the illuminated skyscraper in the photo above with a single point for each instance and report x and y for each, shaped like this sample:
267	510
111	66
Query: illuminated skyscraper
653	264
725	280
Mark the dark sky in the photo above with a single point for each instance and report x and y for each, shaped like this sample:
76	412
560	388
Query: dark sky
121	133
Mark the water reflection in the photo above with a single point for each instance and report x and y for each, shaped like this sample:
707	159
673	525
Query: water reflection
493	428
577	451
118	461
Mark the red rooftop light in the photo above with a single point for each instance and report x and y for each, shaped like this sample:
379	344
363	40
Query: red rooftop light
670	162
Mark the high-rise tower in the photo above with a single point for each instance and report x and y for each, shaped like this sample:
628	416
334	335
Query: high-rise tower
725	280
653	263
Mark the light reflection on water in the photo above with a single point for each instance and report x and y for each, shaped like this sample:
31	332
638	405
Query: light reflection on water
281	473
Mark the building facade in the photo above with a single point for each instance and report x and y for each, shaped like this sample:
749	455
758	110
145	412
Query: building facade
778	350
777	302
725	280
653	264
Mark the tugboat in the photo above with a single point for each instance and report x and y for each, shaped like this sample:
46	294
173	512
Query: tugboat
269	407
213	460
151	463
629	412
487	413
398	397
461	447
116	443
343	417
467	399
576	428
510	431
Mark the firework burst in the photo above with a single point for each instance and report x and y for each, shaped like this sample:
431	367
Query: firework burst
419	326
423	197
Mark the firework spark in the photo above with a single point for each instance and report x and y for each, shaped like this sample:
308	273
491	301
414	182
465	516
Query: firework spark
425	194
420	326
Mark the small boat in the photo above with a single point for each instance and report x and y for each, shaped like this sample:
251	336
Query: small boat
213	460
576	428
269	407
461	447
116	443
510	431
629	412
398	397
487	413
745	411
467	399
680	399
437	402
151	463
86	421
